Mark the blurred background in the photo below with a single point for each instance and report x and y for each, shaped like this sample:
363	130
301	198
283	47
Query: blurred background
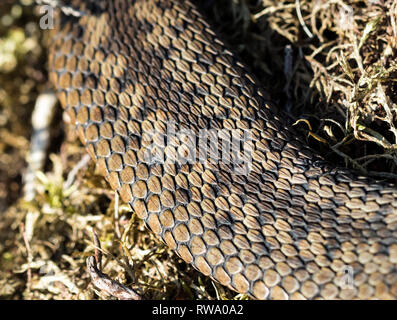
22	75
329	64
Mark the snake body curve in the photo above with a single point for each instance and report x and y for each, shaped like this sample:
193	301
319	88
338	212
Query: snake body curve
292	226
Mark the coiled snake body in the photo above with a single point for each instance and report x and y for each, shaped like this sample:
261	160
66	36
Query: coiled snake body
292	226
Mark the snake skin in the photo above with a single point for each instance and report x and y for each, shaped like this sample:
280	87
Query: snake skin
292	227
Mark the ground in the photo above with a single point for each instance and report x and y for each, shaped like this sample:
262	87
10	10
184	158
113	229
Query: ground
330	64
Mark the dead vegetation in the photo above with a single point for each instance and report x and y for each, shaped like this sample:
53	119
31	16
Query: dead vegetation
330	64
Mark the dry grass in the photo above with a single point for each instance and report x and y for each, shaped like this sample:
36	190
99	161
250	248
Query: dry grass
330	64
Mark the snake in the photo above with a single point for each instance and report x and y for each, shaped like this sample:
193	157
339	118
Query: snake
270	218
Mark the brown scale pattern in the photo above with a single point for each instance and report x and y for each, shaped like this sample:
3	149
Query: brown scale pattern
288	228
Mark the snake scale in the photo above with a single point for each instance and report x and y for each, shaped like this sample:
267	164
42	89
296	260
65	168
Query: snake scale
293	226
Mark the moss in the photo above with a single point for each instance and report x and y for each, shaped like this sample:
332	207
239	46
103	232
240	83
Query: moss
330	65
